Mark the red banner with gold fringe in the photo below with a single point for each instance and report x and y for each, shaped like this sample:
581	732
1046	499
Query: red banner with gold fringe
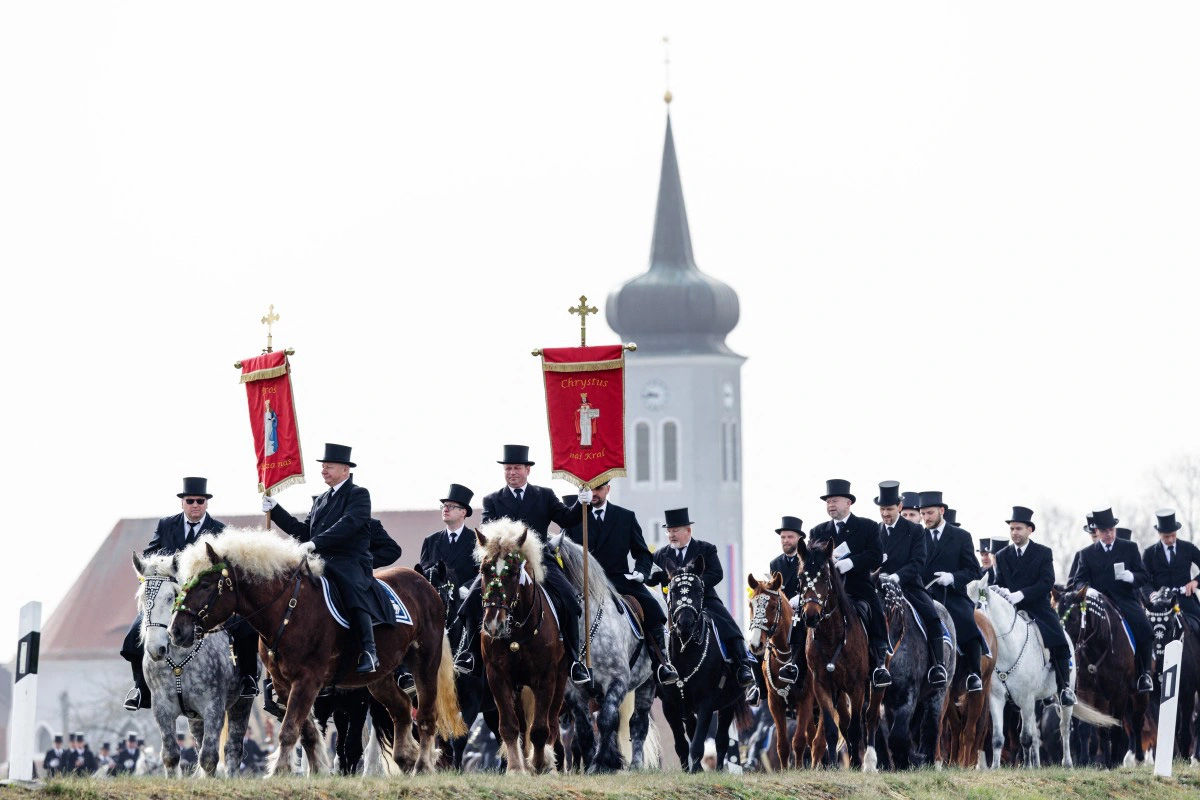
273	421
585	409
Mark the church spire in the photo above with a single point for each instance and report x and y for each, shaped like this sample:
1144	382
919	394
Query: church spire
672	245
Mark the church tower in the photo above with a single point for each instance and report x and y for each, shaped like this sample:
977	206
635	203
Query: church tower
683	395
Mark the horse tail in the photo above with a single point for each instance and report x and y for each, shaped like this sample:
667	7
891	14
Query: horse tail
1085	713
450	723
743	717
381	721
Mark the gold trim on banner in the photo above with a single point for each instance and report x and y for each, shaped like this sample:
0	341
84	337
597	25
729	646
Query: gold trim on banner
594	482
583	366
283	484
264	374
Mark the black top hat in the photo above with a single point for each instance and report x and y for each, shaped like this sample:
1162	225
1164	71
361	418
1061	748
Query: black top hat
131	736
516	454
910	501
1022	514
337	454
1090	527
677	518
999	544
951	517
195	487
889	494
1125	533
179	737
140	741
793	524
106	746
929	499
78	737
836	487
570	499
1103	518
459	494
985	545
58	737
1166	521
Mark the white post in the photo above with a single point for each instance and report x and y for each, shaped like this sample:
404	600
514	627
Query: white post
1168	709
24	704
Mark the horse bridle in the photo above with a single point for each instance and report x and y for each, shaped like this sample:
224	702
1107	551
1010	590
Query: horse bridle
152	586
684	584
515	562
1089	606
809	582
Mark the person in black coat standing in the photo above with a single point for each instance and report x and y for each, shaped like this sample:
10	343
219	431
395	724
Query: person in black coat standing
339	528
950	564
614	537
537	507
1097	569
1169	565
857	553
171	535
904	558
1024	575
683	549
55	762
126	759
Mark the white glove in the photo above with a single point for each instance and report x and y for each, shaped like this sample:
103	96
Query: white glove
795	603
944	578
655	569
635	576
1126	576
1016	597
585	496
1002	591
845	565
308	547
464	592
884	576
269	503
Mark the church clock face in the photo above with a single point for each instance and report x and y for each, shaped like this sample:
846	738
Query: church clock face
654	395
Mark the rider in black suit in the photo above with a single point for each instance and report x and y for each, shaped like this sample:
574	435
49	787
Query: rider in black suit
171	535
1025	575
950	564
1097	570
339	528
787	566
904	559
1169	565
857	553
537	507
454	544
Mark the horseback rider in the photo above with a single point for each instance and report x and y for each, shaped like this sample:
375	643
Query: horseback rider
950	564
1169	564
857	553
787	565
910	507
904	557
171	535
1090	530
1025	576
537	507
684	549
614	536
1097	569
986	562
339	528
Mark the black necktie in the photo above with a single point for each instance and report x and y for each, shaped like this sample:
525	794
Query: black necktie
1108	548
838	525
518	493
599	515
453	538
191	534
889	530
937	536
679	555
1170	553
1019	552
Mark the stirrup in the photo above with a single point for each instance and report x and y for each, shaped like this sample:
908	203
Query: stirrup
249	687
1144	684
753	697
789	673
464	663
974	683
881	678
667	675
1067	697
367	662
407	684
580	674
133	700
936	675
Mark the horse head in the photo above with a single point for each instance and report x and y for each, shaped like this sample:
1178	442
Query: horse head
439	576
156	598
508	560
769	612
817	592
685	599
205	601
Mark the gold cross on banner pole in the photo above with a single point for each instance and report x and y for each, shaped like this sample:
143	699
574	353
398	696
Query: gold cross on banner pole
267	320
583	309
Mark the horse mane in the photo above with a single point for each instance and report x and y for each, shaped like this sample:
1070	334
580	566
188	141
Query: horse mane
572	562
259	553
155	566
501	538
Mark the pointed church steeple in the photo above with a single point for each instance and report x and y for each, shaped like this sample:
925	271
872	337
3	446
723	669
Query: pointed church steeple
673	308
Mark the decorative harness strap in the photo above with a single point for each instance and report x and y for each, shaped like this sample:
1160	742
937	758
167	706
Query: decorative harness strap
153	585
287	615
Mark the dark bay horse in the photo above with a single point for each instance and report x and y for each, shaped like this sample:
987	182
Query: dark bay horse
705	685
524	657
1106	667
271	581
770	642
837	656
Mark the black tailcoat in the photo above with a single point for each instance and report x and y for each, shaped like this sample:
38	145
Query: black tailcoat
667	557
171	531
1096	570
904	555
1174	575
866	551
459	558
1032	574
539	507
789	568
611	543
955	553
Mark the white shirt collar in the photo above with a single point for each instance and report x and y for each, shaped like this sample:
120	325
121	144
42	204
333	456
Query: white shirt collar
333	489
456	532
198	523
938	530
602	509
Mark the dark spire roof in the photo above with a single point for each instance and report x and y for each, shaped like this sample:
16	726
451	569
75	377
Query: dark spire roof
673	307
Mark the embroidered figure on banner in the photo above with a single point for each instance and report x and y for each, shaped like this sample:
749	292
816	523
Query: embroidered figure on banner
270	431
585	424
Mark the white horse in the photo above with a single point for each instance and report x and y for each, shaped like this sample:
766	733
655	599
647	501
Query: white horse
1025	675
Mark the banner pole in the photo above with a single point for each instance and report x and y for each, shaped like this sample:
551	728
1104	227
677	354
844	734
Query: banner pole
587	606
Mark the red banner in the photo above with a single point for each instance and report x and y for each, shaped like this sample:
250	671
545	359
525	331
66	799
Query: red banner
585	408
273	421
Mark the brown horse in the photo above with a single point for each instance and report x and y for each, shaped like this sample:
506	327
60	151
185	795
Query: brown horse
967	719
837	655
526	662
770	642
272	582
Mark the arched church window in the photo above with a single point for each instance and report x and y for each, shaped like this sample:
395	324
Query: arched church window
670	451
641	452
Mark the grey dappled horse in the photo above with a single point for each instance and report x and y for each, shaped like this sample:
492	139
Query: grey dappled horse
200	682
620	665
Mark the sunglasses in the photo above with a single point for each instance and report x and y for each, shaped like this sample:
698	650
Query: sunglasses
195	500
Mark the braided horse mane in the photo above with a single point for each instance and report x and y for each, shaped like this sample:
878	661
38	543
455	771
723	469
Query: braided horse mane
503	536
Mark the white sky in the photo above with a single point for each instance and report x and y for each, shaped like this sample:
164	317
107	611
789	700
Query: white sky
963	236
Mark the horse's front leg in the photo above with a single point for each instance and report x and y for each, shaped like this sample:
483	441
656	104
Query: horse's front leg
208	753
509	724
997	709
608	755
674	713
301	695
165	712
639	723
704	714
1029	735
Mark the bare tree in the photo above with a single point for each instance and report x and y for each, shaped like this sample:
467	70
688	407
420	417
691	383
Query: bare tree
1177	485
1061	531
